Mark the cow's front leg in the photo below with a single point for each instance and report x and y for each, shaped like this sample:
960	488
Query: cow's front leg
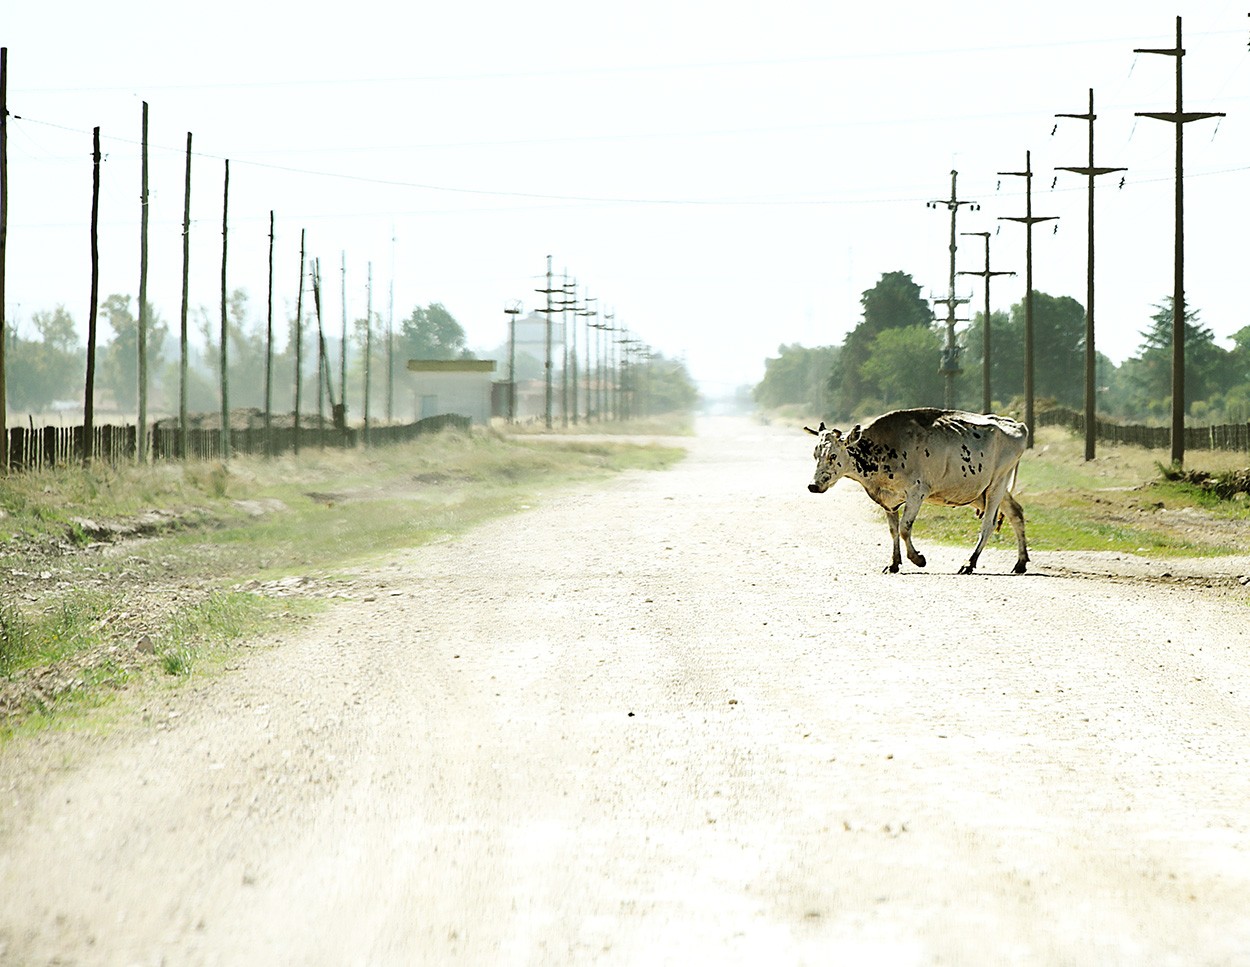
891	517
910	509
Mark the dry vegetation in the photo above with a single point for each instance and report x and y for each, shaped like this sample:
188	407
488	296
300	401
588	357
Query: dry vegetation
115	573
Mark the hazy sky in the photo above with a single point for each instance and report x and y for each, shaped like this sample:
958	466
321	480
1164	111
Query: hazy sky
727	176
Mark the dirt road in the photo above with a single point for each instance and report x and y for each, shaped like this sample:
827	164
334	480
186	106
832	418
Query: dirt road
682	720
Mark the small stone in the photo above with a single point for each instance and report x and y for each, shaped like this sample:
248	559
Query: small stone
144	644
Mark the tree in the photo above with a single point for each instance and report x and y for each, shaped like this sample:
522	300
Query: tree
903	364
665	386
50	368
119	364
797	375
894	302
430	333
1058	349
246	352
1147	377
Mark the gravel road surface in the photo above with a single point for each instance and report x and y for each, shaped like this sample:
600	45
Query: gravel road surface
681	719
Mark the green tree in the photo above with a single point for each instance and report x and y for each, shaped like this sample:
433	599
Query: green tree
1058	350
429	332
665	386
245	352
894	302
119	360
1209	369
797	375
48	369
903	365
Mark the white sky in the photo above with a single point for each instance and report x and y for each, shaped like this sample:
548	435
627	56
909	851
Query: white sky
727	176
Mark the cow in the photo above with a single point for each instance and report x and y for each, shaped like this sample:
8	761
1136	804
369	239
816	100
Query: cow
943	456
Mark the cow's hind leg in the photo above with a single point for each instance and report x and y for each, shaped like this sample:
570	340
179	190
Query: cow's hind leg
994	499
1015	513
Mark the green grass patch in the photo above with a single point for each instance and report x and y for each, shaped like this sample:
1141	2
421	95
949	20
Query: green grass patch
30	637
1116	502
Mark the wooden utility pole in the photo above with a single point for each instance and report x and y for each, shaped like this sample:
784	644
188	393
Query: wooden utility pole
1091	369
548	292
512	310
4	236
183	430
323	364
603	335
588	313
343	346
299	340
568	301
225	323
1179	118
949	366
987	398
141	435
1028	220
368	346
390	339
269	350
88	399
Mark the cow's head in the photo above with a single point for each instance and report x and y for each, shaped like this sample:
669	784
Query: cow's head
832	458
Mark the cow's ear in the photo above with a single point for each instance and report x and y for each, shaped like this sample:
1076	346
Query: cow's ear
853	436
811	431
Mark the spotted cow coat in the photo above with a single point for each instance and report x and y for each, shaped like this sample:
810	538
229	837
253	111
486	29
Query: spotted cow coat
907	457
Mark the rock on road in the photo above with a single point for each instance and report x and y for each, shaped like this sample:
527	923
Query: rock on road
679	719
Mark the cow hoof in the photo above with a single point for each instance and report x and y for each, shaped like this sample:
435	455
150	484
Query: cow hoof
890	569
919	560
966	569
1019	568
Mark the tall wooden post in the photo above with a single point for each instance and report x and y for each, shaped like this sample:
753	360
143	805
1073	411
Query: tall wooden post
225	324
142	429
88	399
184	434
343	345
269	350
368	347
4	236
299	342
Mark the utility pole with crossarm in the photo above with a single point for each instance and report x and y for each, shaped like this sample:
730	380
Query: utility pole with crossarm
1180	118
950	354
1091	171
986	352
1028	220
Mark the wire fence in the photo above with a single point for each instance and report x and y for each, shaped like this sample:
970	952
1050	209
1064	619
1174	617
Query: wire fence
1227	436
39	448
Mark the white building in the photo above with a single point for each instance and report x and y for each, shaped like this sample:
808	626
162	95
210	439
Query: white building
459	386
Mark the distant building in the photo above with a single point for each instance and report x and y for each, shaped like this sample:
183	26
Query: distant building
460	386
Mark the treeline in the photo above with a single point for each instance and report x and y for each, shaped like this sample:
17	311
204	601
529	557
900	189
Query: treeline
891	360
47	370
